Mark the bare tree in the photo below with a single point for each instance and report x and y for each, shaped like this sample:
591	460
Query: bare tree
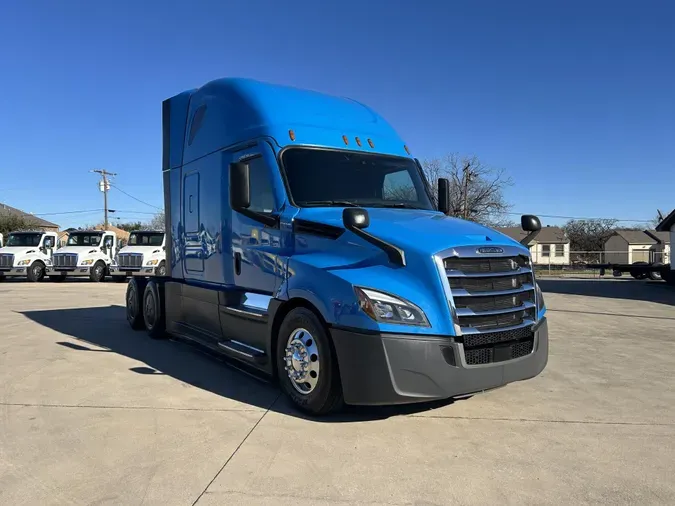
589	235
157	222
476	190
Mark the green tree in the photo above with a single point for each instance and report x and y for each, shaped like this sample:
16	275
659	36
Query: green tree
130	227
10	222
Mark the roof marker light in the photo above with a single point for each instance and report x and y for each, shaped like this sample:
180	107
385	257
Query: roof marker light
371	143
358	142
291	134
406	149
344	138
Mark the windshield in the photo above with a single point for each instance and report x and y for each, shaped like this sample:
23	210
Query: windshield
336	178
30	240
146	239
84	239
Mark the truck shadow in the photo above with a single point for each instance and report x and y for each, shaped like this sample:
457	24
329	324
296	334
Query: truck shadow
655	291
105	330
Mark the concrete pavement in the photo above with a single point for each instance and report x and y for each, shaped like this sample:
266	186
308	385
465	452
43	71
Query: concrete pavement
94	413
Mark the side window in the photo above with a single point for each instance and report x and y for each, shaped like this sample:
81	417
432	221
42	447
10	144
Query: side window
49	242
399	186
197	120
546	250
262	195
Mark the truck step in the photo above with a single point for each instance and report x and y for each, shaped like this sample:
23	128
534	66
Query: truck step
243	351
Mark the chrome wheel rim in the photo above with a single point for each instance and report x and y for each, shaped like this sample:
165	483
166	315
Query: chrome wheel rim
302	361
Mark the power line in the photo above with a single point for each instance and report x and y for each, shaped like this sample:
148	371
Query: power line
137	199
69	212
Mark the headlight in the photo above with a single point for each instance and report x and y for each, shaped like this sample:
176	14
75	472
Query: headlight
386	308
151	262
24	262
87	262
540	297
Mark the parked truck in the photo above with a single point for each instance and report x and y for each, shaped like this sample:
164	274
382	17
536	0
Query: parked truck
27	254
143	255
86	253
303	242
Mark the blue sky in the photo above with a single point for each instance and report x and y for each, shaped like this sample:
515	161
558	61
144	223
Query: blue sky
575	100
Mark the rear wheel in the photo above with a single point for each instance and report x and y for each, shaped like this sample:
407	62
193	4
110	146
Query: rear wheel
36	272
153	310
97	273
306	363
133	303
58	278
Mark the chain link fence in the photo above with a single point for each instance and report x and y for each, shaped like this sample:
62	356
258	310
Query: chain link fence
581	264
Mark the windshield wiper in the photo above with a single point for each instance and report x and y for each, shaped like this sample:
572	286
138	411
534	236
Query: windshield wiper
345	203
401	205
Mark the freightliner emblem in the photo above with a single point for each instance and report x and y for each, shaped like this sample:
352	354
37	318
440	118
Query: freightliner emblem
491	249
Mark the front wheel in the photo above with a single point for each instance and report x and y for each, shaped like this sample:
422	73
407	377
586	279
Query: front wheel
36	272
306	363
655	275
97	273
161	269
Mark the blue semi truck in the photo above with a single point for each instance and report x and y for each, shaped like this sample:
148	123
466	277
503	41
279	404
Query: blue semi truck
302	240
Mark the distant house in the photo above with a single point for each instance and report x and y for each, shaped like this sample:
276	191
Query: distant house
667	226
35	222
550	247
630	246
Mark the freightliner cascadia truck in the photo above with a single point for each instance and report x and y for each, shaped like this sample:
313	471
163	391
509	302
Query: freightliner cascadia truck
303	242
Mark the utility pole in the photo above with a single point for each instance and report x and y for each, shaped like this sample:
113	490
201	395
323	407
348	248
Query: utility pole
104	185
467	174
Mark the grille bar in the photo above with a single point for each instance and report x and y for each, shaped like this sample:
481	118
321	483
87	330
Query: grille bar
65	260
6	260
467	311
131	260
459	274
461	292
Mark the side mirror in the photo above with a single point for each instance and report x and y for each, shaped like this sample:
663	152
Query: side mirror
530	223
444	195
355	218
240	186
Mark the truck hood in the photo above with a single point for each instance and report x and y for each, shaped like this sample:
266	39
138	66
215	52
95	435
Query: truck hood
145	250
80	250
418	230
18	250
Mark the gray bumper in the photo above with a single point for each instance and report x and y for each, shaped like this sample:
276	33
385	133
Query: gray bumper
14	271
72	271
400	369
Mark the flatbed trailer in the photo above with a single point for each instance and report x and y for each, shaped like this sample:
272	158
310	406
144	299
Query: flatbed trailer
638	270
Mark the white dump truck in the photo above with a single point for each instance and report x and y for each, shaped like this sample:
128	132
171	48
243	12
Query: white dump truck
27	254
86	253
144	254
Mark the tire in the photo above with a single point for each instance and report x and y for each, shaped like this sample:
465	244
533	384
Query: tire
153	310
303	332
119	279
656	275
161	269
2	278
36	271
134	309
617	273
58	279
97	273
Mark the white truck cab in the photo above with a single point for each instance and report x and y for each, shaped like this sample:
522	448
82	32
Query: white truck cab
86	253
144	254
27	254
1	239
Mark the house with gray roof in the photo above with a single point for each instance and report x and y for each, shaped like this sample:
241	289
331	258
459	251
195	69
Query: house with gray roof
667	226
630	246
550	247
34	221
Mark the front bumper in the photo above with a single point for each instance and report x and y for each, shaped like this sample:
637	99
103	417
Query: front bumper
117	270
83	270
399	369
14	271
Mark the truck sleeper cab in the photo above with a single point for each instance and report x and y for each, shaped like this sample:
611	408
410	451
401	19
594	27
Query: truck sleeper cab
85	253
27	254
142	256
302	241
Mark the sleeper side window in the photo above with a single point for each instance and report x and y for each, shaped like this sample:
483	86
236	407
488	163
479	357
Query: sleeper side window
262	194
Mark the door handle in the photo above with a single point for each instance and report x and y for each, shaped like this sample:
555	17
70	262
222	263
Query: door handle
237	263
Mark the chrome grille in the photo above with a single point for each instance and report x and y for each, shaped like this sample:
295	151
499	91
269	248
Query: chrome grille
65	260
131	260
6	261
494	302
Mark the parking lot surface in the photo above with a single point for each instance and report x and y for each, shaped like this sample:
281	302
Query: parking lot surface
92	412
